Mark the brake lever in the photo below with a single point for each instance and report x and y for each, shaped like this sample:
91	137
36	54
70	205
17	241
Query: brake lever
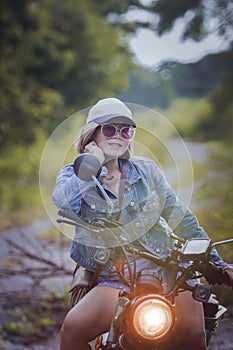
73	223
74	220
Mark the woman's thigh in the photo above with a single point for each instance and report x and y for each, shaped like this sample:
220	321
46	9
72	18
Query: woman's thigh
94	312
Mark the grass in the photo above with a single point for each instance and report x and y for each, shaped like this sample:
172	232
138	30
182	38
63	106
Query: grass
21	217
26	323
186	113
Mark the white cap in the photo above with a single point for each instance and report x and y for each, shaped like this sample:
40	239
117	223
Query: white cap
110	110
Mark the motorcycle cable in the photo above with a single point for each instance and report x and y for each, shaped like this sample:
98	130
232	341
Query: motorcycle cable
132	272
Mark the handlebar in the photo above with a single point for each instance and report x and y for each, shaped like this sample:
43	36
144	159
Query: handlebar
213	273
75	220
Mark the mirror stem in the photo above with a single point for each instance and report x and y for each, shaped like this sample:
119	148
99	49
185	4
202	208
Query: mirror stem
104	194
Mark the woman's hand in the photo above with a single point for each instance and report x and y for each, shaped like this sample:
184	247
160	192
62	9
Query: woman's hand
92	148
229	271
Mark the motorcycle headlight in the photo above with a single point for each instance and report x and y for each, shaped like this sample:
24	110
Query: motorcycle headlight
152	317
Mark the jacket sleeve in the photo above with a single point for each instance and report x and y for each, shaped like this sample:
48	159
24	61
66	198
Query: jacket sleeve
183	222
68	189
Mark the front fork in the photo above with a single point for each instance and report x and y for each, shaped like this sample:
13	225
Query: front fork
212	320
109	340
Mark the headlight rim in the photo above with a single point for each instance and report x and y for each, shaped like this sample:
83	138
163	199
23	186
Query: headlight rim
142	298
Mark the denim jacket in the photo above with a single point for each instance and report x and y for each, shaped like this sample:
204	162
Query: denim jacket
150	211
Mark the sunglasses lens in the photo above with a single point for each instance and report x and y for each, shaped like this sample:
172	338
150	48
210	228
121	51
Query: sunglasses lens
127	133
108	130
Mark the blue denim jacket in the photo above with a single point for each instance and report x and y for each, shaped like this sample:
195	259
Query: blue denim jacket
150	212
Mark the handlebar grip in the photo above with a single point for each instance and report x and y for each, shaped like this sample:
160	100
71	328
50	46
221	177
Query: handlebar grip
223	276
213	273
69	214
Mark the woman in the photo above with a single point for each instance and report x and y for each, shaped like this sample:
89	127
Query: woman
146	204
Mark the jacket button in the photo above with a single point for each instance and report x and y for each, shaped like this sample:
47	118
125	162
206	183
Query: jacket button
93	206
137	224
158	250
128	189
132	204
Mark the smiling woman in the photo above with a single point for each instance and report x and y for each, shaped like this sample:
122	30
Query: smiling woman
109	142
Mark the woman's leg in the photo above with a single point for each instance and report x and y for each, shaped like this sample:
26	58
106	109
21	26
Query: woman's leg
89	318
190	326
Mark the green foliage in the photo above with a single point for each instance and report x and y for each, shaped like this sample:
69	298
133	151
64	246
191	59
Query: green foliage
19	90
219	124
172	79
21	329
170	11
197	79
55	57
214	204
215	196
26	324
197	14
19	178
186	113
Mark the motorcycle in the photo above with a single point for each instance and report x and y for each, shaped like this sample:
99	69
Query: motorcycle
145	317
145	313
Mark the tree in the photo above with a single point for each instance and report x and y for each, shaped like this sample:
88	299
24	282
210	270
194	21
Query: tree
219	124
56	57
201	17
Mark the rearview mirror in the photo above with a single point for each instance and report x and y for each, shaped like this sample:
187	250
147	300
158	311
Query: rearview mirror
86	165
195	248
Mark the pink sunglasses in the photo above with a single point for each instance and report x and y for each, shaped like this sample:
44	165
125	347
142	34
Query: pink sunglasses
110	130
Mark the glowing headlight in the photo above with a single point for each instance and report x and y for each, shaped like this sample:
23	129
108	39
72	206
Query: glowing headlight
152	317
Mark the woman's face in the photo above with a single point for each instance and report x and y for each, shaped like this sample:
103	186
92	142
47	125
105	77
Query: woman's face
114	146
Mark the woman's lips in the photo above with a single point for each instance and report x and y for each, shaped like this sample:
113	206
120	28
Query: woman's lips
115	144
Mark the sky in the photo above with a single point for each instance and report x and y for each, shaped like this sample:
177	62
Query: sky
150	50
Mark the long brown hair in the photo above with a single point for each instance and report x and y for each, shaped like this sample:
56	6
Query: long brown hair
86	135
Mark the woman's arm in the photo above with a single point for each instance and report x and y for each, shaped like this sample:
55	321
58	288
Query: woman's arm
183	221
68	189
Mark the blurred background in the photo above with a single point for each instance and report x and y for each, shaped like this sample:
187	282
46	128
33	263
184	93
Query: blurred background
58	57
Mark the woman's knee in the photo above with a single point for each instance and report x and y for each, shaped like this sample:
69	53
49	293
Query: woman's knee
83	321
72	328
